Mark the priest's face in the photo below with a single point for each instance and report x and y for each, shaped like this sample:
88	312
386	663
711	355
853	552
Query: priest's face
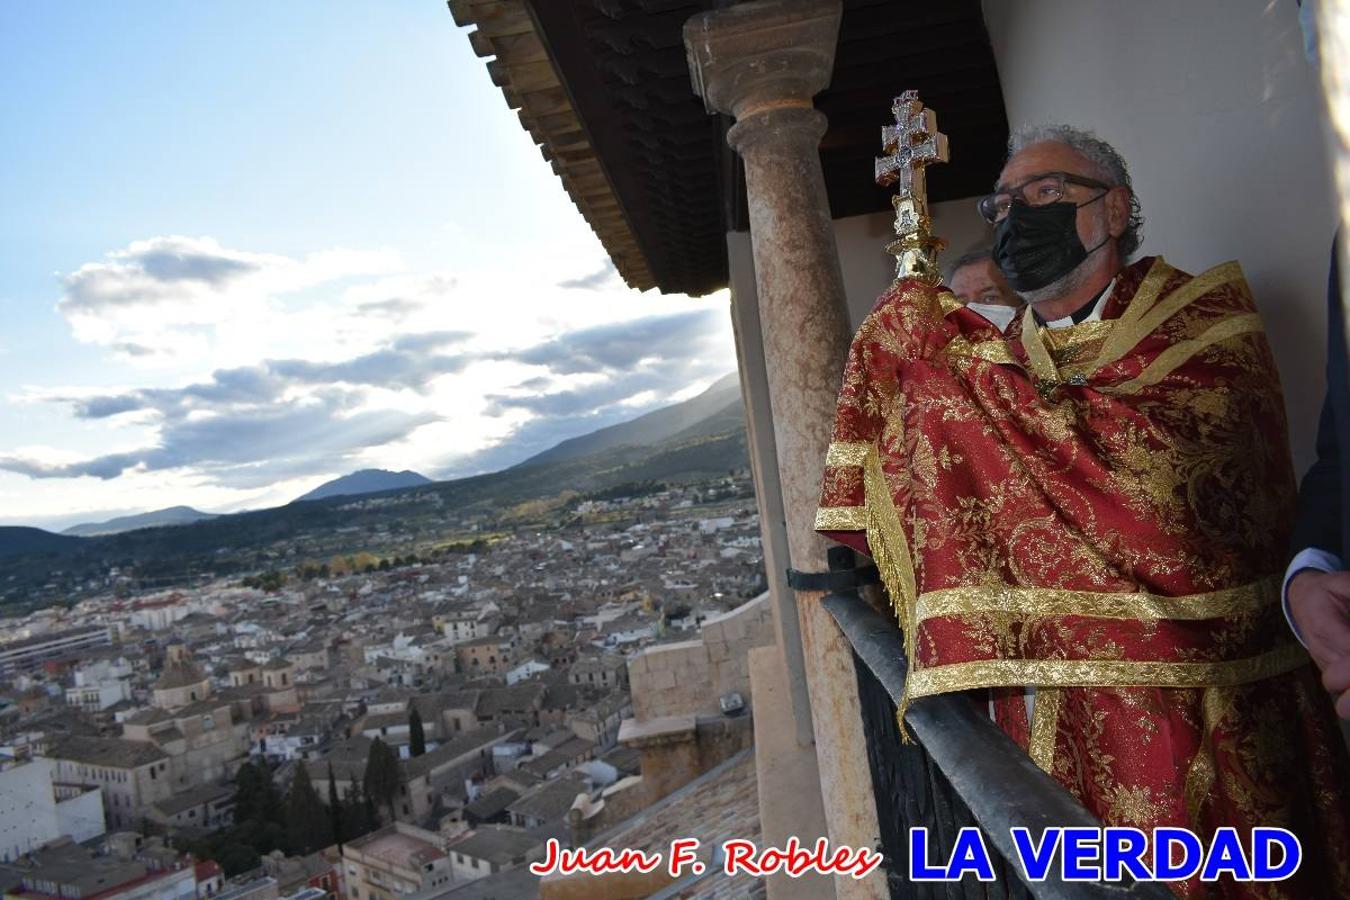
1096	213
982	282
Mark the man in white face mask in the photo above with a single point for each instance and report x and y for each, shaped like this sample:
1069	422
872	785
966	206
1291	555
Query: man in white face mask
977	282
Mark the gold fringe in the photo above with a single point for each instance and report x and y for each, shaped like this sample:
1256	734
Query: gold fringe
890	550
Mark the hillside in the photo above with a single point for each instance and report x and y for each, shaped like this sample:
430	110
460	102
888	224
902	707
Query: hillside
365	481
652	428
174	515
42	567
18	541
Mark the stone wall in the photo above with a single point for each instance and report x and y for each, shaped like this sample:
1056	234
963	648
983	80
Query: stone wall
688	678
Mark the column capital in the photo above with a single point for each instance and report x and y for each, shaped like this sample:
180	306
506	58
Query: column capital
762	55
786	128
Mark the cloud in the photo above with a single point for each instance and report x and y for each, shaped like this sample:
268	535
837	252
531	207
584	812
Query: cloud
295	415
132	350
307	434
606	374
621	346
604	277
143	299
408	363
331	361
396	308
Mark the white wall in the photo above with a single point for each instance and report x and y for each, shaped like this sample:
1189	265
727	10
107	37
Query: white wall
1217	113
869	269
30	815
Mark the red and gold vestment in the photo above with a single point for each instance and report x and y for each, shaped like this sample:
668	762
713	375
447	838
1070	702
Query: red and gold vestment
1101	512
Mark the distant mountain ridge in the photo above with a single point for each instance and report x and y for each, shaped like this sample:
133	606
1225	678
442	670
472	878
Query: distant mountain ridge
173	515
720	401
17	540
695	440
365	481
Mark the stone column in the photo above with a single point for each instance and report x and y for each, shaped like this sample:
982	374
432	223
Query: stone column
762	62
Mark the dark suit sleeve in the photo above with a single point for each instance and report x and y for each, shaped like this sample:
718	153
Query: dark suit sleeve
1319	496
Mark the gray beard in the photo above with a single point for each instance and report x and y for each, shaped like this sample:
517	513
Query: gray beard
1066	284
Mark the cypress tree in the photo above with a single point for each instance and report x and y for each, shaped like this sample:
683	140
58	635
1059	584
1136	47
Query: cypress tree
382	776
334	808
307	828
416	733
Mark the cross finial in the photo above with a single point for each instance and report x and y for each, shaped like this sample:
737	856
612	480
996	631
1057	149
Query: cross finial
910	145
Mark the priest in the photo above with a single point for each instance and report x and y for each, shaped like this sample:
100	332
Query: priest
1082	521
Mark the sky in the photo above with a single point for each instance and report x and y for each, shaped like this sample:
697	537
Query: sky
247	247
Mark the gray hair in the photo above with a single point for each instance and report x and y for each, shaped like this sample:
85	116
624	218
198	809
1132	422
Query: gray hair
977	254
1108	163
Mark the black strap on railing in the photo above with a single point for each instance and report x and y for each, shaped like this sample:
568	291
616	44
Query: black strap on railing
840	580
994	778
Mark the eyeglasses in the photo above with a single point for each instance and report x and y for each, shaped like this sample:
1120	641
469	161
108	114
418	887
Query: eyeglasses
1038	190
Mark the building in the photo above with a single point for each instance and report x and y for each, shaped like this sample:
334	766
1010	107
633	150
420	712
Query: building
467	625
133	775
397	859
422	778
73	871
714	123
35	809
28	653
312	877
485	655
490	849
209	806
203	740
605	671
181	682
100	685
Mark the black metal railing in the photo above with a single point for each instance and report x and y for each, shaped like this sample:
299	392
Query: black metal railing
961	770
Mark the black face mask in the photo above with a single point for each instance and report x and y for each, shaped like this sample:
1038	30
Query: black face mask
1037	245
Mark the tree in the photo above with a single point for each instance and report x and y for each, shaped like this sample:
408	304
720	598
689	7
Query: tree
358	813
382	776
257	799
417	735
334	808
307	828
235	858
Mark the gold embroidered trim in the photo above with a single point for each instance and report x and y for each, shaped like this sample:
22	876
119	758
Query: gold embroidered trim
846	453
1177	354
994	351
1140	325
1136	606
1148	292
841	518
948	303
1045	727
1102	673
1201	773
1061	340
1042	366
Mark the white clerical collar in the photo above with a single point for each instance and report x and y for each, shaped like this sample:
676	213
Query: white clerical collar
1094	316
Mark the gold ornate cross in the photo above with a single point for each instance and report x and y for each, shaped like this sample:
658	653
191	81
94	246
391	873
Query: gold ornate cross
912	144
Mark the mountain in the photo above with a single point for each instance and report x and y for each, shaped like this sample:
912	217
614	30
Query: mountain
700	439
18	541
721	401
366	481
174	515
